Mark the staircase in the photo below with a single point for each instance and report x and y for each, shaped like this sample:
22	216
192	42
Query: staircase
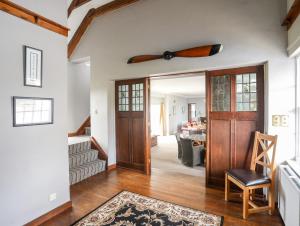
83	160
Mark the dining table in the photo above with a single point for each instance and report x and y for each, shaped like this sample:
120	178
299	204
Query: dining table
194	137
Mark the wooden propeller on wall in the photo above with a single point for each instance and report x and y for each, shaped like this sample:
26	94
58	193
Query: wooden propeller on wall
202	51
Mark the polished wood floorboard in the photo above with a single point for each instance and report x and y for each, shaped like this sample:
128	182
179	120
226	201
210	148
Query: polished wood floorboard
177	188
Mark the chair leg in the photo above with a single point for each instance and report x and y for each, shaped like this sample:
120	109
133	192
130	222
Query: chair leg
245	203
271	200
251	194
227	187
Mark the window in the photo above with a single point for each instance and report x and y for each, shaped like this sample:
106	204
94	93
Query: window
192	112
32	111
298	110
155	119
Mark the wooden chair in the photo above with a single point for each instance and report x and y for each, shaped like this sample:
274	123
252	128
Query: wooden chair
250	180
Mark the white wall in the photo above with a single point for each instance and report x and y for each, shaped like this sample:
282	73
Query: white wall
79	77
200	106
250	31
178	115
33	159
294	38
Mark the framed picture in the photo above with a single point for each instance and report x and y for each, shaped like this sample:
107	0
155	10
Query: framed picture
33	60
28	111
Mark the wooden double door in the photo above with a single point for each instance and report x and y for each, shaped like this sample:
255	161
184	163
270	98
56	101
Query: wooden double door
235	110
132	124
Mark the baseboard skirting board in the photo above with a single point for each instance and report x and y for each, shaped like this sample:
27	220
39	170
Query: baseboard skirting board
47	216
112	167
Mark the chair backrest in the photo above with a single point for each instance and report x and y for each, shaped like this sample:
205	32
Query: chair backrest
266	157
187	151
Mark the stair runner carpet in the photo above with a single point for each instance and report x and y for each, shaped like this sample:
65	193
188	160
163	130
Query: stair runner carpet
83	162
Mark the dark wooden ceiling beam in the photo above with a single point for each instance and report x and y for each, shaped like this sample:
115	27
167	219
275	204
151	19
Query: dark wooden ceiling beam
80	31
92	13
292	14
32	17
74	4
111	6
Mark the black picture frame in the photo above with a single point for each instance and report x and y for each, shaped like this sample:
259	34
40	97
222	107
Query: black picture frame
14	102
38	65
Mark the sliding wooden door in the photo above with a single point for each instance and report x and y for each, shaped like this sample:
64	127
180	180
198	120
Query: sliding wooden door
132	124
235	107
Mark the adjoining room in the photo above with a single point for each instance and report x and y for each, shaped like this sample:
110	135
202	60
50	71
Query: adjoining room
178	123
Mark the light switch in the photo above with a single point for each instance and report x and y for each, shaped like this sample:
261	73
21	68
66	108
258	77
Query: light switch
280	120
284	120
52	197
275	120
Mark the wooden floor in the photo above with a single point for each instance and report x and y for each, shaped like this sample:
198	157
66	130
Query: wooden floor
177	188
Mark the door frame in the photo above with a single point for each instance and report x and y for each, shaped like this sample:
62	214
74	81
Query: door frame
147	123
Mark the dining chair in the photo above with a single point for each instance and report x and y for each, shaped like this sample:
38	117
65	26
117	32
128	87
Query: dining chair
263	154
179	145
187	151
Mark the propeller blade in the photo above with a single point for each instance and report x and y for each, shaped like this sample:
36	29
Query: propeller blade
143	58
201	51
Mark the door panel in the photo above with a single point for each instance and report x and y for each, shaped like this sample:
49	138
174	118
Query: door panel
132	115
243	143
138	144
220	143
123	141
235	110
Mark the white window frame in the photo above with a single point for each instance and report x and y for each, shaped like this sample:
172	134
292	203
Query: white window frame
298	109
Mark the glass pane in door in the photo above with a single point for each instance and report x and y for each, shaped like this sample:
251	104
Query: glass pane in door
220	93
138	97
246	92
123	98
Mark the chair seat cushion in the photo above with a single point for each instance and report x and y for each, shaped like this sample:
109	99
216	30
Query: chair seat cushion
248	177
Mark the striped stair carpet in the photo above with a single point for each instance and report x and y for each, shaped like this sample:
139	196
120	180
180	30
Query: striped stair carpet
83	161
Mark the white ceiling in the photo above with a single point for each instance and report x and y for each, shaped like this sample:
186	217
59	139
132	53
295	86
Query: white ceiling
193	86
79	13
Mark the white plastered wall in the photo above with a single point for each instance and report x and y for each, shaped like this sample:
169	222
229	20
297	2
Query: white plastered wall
250	31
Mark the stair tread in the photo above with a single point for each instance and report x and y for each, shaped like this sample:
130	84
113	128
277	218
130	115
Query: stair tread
83	152
87	164
84	171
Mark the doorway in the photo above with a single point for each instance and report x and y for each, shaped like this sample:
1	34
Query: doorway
178	129
234	100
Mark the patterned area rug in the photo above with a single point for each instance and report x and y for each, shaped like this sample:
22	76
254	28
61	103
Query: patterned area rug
131	209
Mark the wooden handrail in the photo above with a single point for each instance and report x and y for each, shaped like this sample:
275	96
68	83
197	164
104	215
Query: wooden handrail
91	14
101	153
292	14
32	17
81	129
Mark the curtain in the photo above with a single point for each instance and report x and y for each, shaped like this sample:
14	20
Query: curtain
162	119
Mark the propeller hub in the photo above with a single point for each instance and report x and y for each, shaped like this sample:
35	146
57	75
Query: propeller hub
168	55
